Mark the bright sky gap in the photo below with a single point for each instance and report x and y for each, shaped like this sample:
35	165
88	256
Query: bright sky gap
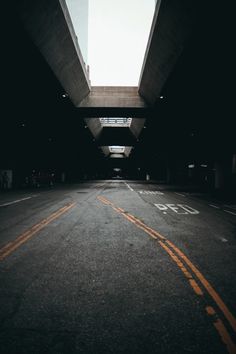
118	32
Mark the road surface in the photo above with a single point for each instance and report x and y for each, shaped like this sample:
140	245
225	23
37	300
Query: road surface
116	267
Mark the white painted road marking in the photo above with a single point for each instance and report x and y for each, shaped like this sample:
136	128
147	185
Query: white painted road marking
214	206
223	239
151	192
230	212
129	186
177	208
182	195
16	201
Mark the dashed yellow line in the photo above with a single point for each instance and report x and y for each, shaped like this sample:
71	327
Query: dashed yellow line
12	246
220	327
177	255
192	282
212	292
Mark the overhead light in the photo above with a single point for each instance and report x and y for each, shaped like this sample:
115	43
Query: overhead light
191	165
161	97
64	95
117	149
115	122
117	156
203	165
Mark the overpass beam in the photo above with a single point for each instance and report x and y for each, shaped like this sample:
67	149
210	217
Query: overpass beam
171	27
49	25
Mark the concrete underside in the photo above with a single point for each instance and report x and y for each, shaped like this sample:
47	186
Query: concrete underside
92	112
113	97
107	152
106	136
171	27
49	25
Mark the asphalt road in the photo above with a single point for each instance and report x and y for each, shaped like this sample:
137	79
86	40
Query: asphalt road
116	267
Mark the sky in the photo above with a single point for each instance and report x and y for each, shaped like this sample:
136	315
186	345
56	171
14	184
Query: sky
118	32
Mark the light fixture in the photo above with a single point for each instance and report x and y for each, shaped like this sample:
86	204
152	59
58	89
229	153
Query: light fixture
117	149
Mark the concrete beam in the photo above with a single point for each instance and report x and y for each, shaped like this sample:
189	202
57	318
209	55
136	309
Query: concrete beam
126	135
49	25
171	27
93	112
106	151
94	126
137	126
113	97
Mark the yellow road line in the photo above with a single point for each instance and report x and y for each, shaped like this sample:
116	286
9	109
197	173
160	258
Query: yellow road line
225	336
220	303
211	291
222	330
12	246
192	282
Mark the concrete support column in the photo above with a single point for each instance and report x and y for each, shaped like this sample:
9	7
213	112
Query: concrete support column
234	176
234	165
168	173
219	175
63	177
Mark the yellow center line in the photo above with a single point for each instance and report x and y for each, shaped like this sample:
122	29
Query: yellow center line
220	303
225	336
13	245
192	282
166	244
218	324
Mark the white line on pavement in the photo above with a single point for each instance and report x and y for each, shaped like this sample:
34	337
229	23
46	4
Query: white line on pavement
214	206
16	201
223	239
129	186
182	195
230	212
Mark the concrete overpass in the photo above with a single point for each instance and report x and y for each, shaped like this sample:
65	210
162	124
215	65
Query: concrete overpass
95	264
50	28
58	43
